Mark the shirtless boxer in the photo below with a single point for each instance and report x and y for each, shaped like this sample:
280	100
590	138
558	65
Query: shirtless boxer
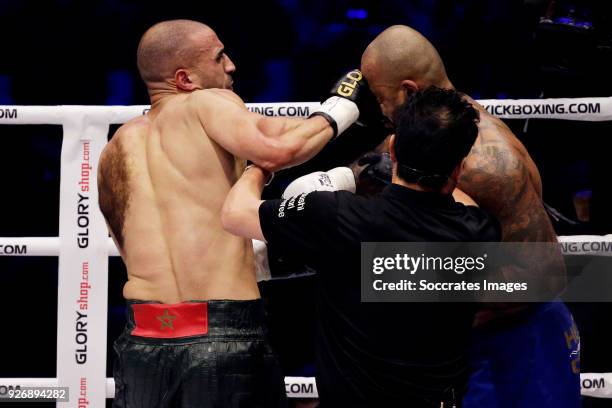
512	369
195	332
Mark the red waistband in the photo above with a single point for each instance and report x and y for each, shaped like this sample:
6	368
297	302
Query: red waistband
170	321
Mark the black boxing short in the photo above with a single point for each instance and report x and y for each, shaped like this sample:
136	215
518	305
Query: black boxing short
196	354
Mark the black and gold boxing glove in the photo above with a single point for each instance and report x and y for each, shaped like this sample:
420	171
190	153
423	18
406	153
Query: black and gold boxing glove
342	108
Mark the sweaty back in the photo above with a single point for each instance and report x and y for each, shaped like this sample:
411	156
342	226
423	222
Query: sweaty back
162	183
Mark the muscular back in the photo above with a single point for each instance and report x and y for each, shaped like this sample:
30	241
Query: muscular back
502	178
162	183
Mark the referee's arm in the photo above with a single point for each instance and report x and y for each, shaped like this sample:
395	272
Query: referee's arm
304	226
240	213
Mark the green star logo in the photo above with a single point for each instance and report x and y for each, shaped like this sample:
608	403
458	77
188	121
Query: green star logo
166	320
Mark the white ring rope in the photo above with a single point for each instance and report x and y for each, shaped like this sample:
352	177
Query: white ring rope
296	387
86	126
581	109
598	385
594	245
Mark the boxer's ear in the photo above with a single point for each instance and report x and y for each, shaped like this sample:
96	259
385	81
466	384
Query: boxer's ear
184	82
410	87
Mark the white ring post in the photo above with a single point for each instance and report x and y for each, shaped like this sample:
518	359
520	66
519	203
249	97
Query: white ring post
83	265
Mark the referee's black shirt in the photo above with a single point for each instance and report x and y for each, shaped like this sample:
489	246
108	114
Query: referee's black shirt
378	354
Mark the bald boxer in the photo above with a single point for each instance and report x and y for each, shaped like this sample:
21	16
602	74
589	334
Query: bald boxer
529	359
195	332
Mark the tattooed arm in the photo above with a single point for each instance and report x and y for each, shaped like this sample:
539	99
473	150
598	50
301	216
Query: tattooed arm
500	178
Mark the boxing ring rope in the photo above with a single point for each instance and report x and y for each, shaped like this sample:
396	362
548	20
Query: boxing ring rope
83	245
594	245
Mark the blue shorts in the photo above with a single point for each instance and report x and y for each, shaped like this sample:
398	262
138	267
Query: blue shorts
533	362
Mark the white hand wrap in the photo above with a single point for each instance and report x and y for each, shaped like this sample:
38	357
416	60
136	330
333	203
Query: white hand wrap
340	178
341	110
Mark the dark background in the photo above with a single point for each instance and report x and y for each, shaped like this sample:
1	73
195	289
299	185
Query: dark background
76	52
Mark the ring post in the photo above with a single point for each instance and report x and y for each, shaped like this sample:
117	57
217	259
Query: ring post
83	264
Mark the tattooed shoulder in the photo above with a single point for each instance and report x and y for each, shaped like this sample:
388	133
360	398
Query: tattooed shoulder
497	177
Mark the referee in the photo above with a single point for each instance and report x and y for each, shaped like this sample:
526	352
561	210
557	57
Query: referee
381	354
